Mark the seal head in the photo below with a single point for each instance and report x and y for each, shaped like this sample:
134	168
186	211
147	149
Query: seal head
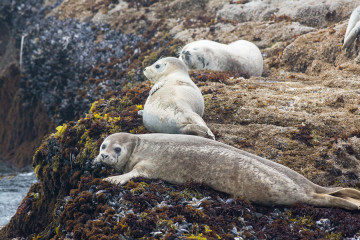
115	151
163	67
199	54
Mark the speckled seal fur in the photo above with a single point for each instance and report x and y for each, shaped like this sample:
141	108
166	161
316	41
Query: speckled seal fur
175	104
241	56
180	158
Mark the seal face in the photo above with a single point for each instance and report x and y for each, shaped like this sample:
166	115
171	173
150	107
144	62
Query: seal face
241	56
353	28
175	104
180	158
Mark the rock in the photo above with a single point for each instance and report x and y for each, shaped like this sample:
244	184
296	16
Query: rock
324	223
303	113
309	13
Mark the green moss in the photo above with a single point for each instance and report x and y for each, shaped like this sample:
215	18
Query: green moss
60	130
150	59
334	236
57	231
37	169
140	188
37	237
197	237
36	196
190	194
56	163
165	223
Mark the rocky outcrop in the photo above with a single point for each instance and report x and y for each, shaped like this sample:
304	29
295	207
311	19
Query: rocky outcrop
71	201
22	124
303	113
309	13
65	66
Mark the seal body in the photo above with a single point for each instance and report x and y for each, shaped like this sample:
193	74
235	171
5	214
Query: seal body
175	104
353	28
180	158
241	56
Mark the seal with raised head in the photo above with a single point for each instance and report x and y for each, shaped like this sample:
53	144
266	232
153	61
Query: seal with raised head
175	104
180	158
353	28
241	56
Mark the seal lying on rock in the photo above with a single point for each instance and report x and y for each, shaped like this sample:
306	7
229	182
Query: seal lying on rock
175	104
180	158
353	28
241	56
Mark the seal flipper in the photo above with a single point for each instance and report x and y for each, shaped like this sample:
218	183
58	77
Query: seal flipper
347	198
350	38
124	178
347	193
343	202
198	130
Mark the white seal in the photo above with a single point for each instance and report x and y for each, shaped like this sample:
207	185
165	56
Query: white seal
175	104
353	28
241	56
180	158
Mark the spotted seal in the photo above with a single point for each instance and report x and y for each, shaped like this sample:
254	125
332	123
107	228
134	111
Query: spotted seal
178	158
241	56
175	104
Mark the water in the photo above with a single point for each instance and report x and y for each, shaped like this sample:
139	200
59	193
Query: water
13	188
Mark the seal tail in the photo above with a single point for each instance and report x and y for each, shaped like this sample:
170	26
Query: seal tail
347	198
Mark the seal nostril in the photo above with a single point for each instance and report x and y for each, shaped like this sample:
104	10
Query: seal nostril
104	156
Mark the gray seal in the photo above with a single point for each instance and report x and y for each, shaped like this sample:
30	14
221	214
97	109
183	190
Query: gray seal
175	104
180	158
237	56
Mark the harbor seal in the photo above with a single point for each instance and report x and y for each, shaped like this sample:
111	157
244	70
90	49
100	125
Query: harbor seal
180	158
353	28
175	104
241	56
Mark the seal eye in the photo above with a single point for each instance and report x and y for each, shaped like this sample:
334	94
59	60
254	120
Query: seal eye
117	150
159	67
103	146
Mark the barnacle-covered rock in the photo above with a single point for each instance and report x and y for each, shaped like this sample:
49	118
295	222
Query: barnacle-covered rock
80	205
65	66
81	80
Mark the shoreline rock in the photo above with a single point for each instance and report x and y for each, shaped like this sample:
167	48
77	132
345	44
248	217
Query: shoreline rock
303	113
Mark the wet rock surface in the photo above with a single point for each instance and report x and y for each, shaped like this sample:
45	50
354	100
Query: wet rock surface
303	113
